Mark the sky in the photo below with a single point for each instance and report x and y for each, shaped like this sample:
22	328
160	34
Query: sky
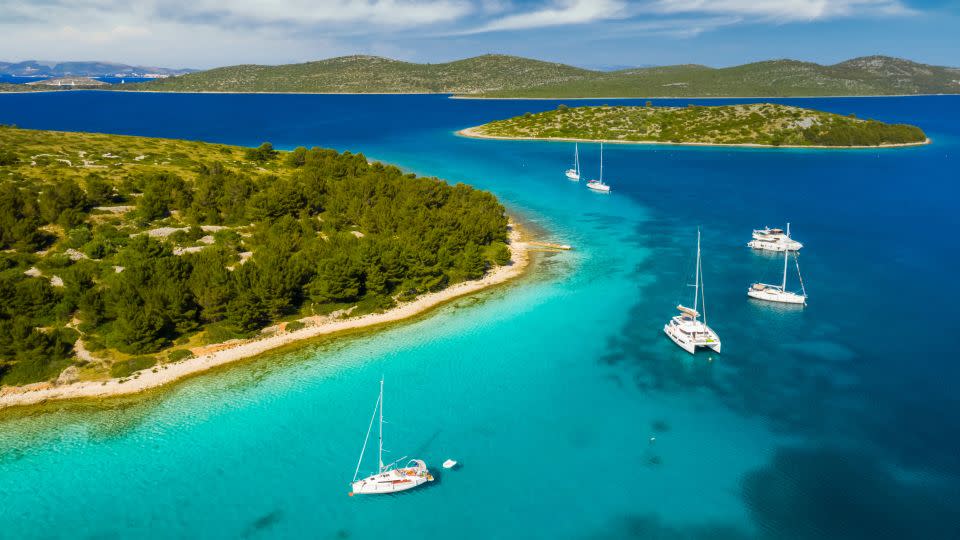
589	33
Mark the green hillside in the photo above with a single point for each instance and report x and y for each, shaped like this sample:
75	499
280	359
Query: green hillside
510	76
756	123
874	75
371	74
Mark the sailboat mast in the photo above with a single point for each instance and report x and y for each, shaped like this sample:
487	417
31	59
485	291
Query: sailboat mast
381	425
696	282
786	253
601	162
576	157
369	429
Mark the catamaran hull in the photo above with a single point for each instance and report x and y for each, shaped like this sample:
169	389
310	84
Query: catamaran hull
778	296
690	345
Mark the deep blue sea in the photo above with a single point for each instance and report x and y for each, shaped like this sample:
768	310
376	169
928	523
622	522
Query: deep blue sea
837	421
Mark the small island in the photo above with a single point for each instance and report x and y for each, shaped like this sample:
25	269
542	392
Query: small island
130	262
757	124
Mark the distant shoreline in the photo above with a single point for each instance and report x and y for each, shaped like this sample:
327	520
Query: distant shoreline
216	355
472	134
459	96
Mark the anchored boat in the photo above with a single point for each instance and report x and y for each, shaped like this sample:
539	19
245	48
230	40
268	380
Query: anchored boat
598	185
768	239
686	329
779	293
574	173
389	478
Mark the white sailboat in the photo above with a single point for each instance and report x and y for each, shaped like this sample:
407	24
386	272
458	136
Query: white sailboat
768	239
389	478
574	173
686	329
779	293
598	185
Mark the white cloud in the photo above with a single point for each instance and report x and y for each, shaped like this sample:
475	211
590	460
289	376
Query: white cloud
670	27
205	33
379	13
117	33
557	13
375	12
783	10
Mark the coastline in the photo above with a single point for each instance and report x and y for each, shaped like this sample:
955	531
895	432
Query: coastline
216	355
472	134
464	96
468	96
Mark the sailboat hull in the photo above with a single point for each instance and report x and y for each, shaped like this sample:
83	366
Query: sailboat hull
573	175
393	480
602	188
776	295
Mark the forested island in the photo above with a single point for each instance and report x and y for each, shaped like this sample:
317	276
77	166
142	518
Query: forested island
124	253
503	76
760	124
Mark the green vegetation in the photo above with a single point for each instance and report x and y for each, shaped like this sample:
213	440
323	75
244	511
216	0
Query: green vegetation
510	76
371	74
872	75
125	368
760	123
141	248
178	355
10	87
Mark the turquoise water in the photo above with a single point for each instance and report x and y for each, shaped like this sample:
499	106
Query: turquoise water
835	421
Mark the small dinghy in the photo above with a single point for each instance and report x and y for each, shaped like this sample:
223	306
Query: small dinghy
449	464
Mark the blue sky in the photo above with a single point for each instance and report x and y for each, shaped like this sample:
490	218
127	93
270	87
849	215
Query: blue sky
592	33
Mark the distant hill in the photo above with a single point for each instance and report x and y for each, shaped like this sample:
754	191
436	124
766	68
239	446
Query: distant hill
511	76
372	74
36	68
873	75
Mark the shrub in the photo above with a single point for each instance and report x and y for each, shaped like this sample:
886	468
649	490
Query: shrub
261	154
125	368
294	326
178	355
8	158
501	255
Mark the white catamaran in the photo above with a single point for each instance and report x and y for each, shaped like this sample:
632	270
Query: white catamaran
389	478
574	173
598	185
779	293
686	329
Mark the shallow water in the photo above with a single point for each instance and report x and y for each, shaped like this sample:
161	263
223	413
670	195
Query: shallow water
833	421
